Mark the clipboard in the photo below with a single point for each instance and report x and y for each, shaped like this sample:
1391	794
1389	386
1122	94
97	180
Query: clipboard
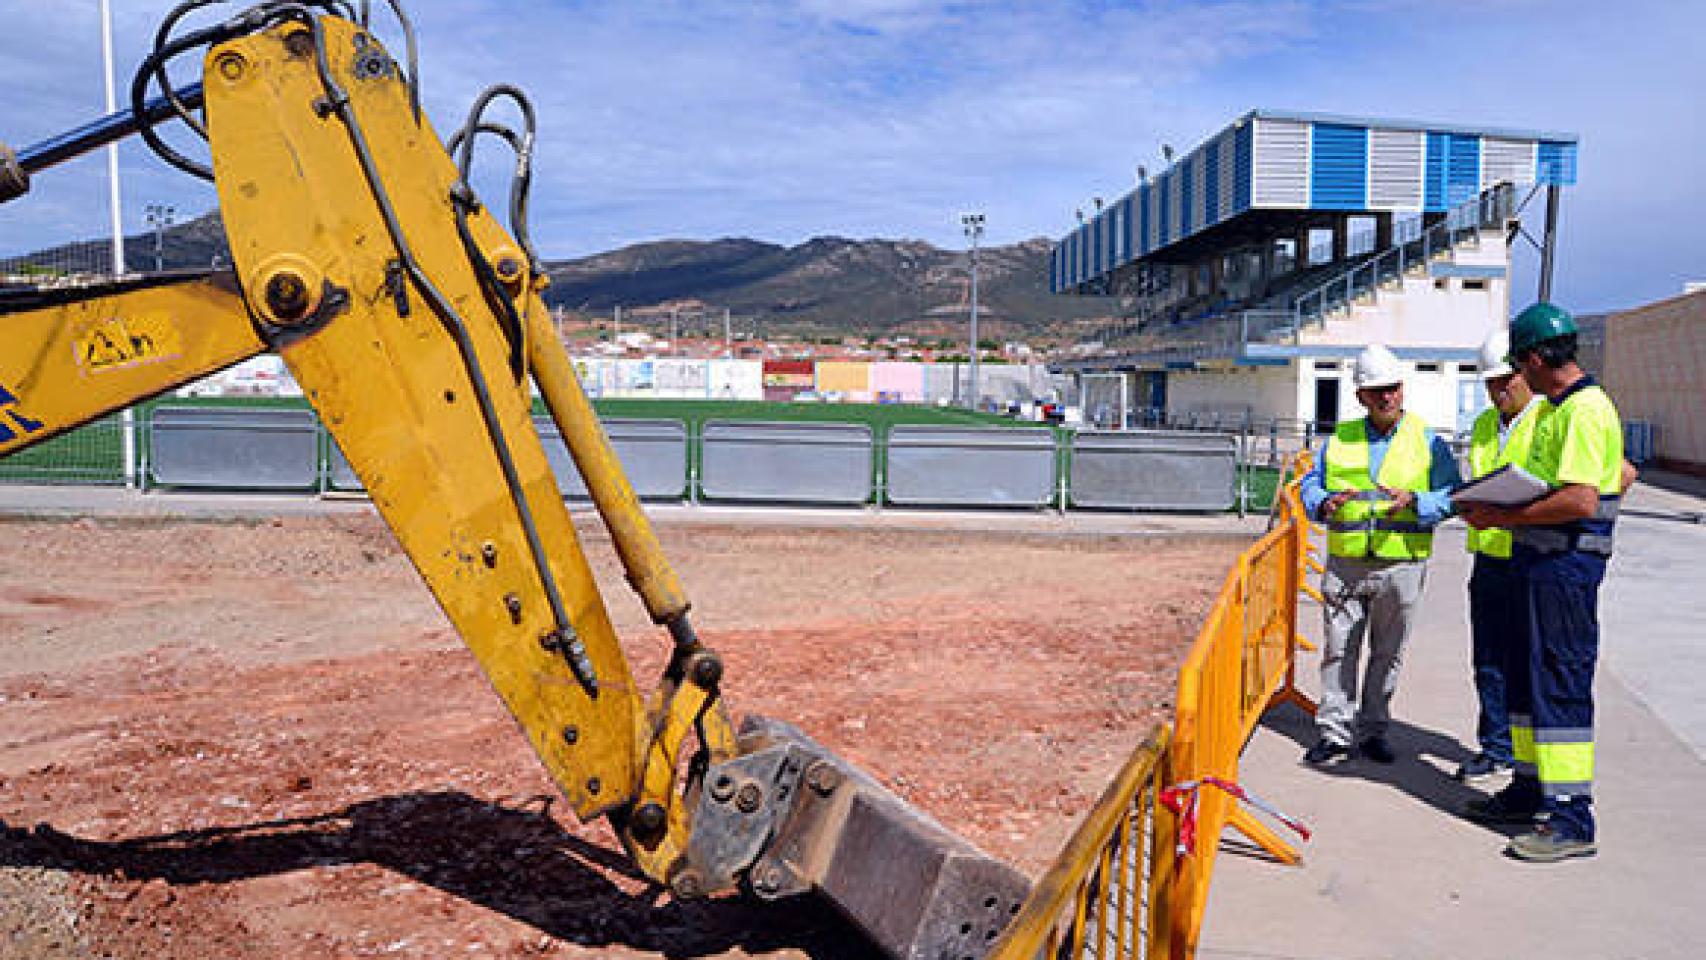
1508	486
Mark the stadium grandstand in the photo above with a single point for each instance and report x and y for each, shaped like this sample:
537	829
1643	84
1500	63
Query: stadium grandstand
1256	265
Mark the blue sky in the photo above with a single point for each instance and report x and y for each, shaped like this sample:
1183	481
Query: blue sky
787	119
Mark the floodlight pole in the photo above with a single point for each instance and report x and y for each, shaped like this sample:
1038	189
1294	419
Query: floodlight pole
973	223
159	216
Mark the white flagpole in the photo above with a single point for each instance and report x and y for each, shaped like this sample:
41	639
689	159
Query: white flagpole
127	419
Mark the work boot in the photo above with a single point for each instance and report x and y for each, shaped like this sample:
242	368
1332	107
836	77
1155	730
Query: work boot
1324	752
1482	766
1501	808
1546	845
1377	749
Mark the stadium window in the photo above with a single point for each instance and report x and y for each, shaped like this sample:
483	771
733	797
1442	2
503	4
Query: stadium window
1427	367
1468	368
1474	283
1442	283
1326	364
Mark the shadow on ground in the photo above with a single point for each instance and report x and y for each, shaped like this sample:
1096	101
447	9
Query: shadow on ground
517	861
1426	761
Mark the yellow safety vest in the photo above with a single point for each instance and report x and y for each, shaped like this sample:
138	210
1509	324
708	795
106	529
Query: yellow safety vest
1579	439
1364	526
1485	456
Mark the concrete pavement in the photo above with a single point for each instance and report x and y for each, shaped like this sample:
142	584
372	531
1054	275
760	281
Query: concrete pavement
1394	872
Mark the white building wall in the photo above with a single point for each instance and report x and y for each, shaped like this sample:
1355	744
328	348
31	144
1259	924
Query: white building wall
1288	393
1429	311
1260	392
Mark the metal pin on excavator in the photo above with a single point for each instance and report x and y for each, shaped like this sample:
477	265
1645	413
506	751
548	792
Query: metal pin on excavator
413	322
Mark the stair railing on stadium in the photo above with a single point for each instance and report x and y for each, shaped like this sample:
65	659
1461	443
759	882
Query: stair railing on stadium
1133	880
1413	246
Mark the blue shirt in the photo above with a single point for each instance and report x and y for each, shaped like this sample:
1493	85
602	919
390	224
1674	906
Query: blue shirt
1432	505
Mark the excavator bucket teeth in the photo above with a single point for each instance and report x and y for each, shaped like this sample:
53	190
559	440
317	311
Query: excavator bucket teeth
915	888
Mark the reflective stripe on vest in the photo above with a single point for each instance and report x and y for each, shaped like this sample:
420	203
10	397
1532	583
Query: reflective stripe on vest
1363	526
1485	456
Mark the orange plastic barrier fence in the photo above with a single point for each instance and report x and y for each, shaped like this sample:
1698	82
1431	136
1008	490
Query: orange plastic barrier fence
1124	886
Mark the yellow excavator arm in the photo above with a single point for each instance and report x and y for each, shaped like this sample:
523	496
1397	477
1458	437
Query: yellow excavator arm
413	322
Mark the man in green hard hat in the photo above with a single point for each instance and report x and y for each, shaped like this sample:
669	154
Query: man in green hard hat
1560	545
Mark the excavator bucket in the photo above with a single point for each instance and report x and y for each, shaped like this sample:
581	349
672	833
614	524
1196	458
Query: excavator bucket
805	820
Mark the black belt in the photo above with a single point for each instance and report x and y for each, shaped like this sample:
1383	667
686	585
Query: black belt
1553	540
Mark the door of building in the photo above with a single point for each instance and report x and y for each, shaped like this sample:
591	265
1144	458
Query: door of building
1326	403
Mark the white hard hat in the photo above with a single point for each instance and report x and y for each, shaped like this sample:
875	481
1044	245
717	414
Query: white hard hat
1377	367
1493	353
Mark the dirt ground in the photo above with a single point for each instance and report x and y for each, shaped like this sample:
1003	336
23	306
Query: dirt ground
262	740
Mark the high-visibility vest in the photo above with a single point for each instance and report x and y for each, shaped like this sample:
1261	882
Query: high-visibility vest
1485	456
1578	439
1365	526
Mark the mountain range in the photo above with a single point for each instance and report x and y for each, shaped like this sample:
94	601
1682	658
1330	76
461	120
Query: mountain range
826	285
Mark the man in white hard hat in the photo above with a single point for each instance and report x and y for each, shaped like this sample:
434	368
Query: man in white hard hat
1502	435
1380	484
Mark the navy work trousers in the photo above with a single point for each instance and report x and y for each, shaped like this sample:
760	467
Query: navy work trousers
1549	678
1494	592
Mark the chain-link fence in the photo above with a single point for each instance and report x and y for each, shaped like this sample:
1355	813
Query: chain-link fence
72	264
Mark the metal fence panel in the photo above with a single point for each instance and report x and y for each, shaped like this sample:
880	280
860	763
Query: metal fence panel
788	462
339	474
232	447
1154	470
968	467
653	454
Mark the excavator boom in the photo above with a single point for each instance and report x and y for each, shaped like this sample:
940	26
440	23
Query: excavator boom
414	324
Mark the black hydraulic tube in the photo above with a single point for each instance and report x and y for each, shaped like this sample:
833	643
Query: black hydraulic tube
98	133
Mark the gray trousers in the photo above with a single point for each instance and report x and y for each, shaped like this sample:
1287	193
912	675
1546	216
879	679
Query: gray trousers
1378	599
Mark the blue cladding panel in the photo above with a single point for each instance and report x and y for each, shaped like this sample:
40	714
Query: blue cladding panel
1243	173
1211	183
1556	163
1338	175
1187	222
1128	223
1096	230
1462	168
1433	200
1143	219
1165	187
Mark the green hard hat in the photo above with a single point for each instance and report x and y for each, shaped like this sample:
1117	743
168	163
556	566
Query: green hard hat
1538	323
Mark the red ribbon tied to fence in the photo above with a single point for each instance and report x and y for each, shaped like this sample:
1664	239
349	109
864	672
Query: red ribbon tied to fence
1183	799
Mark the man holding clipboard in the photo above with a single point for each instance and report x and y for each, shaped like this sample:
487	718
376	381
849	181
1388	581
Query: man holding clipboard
1501	436
1561	542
